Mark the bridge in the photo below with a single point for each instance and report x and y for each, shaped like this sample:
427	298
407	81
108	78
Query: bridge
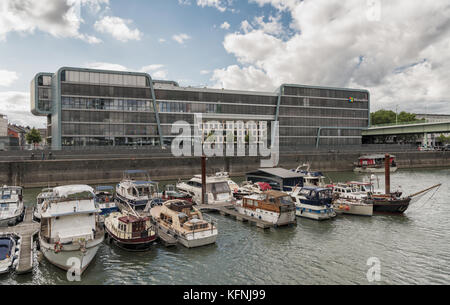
408	128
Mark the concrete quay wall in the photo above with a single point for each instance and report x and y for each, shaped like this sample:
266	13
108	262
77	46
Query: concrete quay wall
36	173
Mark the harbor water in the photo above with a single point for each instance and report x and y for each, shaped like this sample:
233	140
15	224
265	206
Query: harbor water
412	249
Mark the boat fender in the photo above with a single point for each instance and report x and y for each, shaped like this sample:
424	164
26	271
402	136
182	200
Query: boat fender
347	208
58	247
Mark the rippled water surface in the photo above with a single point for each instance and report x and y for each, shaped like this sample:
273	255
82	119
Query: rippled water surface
412	249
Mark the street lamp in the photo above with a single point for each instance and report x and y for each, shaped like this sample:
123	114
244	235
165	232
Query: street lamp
396	114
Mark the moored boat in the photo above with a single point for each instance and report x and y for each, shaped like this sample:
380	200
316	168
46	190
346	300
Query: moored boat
130	231
374	164
43	195
310	178
9	252
313	202
135	193
217	189
70	233
190	227
104	196
12	209
271	206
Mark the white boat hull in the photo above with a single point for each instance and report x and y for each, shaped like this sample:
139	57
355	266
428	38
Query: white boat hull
71	254
272	217
205	238
355	209
315	212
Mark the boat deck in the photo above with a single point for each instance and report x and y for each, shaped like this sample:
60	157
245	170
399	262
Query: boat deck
228	210
26	230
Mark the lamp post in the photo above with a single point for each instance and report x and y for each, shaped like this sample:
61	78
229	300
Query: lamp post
396	114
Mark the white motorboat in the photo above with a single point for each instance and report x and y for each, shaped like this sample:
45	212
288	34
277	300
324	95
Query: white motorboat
217	189
271	206
9	252
179	218
310	178
12	209
351	199
70	233
43	195
313	202
136	193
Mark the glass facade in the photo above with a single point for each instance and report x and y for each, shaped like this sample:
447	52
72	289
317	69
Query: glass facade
118	108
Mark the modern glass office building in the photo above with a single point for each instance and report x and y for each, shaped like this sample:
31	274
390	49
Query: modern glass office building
87	107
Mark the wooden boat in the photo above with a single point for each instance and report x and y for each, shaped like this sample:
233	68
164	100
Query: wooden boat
271	206
130	231
248	188
180	219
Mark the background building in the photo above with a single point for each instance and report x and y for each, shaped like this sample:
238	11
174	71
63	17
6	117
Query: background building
3	125
87	107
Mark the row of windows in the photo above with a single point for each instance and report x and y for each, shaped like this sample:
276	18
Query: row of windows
322	122
44	105
109	129
104	78
187	107
107	117
333	93
214	97
314	102
322	112
105	91
106	104
44	93
109	141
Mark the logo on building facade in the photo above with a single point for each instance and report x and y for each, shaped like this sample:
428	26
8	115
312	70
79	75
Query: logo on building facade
226	138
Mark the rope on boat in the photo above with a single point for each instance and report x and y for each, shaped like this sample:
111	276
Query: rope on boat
423	193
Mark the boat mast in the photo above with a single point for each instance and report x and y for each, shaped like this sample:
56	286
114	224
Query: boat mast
387	174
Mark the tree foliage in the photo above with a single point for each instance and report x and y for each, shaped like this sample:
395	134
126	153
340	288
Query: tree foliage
33	137
443	139
389	117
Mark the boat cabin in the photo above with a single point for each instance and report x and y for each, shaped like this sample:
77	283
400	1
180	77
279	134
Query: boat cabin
273	201
132	227
104	194
314	195
10	193
278	178
376	160
180	213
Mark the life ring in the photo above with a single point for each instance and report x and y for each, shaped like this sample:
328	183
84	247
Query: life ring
58	247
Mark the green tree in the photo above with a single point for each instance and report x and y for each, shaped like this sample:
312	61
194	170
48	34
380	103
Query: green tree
389	117
443	139
33	137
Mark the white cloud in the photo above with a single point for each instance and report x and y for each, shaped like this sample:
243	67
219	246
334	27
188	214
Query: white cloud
181	38
16	105
118	28
105	66
225	26
59	18
156	71
7	78
162	40
402	57
218	4
205	72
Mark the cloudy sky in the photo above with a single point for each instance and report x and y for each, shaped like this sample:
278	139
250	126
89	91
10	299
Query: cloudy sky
399	50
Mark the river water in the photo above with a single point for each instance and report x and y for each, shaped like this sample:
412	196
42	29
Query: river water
411	249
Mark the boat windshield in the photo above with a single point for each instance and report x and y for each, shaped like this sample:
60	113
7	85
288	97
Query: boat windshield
219	187
304	192
325	194
286	200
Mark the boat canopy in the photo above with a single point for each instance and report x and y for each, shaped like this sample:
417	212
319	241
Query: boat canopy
312	188
144	182
67	190
6	245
